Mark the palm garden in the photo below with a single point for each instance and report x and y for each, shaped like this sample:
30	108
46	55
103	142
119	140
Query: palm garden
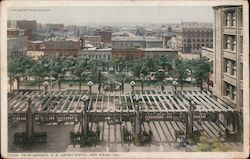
147	71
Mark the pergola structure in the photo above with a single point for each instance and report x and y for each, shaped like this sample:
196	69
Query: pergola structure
183	106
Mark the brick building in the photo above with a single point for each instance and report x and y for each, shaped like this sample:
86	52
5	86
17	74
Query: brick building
191	39
61	47
105	35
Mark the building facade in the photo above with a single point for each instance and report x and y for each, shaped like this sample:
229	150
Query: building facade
61	47
158	52
228	63
96	54
191	39
228	51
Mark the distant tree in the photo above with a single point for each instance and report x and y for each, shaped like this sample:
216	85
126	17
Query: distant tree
160	76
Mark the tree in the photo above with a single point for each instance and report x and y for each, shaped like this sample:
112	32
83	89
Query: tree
180	71
18	69
201	71
38	70
122	78
59	67
78	68
160	76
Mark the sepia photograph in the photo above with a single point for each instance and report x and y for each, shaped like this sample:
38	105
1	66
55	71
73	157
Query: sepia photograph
124	79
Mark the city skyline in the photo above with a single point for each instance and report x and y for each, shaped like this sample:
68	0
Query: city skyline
113	15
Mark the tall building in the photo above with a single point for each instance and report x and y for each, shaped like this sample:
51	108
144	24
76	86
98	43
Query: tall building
228	63
228	51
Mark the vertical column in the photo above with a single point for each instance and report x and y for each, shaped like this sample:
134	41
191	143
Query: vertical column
137	121
29	120
85	123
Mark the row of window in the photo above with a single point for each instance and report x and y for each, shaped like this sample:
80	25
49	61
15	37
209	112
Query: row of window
198	45
198	40
197	35
230	43
99	56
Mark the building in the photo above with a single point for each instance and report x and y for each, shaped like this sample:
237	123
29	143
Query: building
17	46
191	39
123	43
129	54
96	54
105	35
55	27
153	42
208	53
228	62
26	24
228	51
95	41
61	47
36	46
154	52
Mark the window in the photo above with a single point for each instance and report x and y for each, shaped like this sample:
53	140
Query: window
230	18
198	40
193	40
230	43
230	91
230	67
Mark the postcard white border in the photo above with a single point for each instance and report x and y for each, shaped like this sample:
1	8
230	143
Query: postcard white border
7	4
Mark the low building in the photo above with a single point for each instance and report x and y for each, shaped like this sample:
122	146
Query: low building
36	46
129	54
125	43
154	52
153	42
96	54
61	47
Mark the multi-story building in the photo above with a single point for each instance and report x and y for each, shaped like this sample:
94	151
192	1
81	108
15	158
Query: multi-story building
95	41
61	47
191	39
96	54
228	63
228	51
129	54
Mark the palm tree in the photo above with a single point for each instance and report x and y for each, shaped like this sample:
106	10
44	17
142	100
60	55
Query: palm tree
59	67
122	78
78	69
18	69
180	71
160	76
38	71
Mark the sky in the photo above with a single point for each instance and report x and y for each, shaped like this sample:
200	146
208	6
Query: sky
113	15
